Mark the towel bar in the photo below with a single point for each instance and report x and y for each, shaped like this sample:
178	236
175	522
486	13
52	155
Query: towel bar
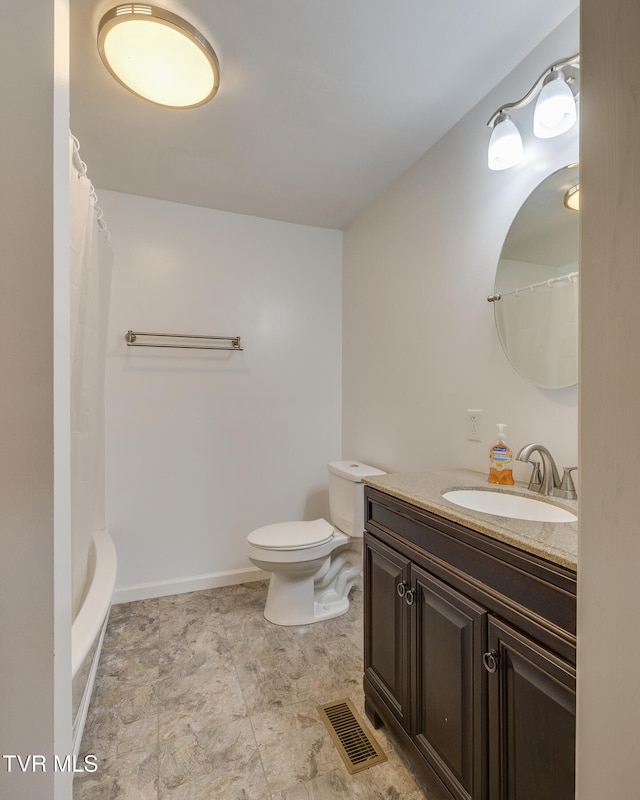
131	338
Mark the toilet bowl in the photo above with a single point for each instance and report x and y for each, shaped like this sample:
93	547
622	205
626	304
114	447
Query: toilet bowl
314	564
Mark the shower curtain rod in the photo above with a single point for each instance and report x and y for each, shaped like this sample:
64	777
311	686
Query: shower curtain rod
81	169
234	341
571	276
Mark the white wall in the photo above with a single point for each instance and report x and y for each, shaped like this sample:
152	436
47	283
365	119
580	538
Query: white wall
35	569
202	447
420	345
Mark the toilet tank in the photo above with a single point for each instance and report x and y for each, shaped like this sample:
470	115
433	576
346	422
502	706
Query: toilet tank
346	495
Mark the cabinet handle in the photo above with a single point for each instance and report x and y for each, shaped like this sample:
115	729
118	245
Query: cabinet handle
490	661
401	588
410	597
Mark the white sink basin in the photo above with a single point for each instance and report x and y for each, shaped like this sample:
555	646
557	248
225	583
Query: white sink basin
504	504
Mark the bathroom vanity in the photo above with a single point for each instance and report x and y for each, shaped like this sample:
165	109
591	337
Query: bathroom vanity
470	639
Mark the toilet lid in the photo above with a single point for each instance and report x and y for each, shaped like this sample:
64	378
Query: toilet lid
292	535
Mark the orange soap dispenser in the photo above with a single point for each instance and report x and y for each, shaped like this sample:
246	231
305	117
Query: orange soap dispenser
500	459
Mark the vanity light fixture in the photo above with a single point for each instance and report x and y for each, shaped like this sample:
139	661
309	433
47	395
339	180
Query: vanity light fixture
572	198
158	55
556	91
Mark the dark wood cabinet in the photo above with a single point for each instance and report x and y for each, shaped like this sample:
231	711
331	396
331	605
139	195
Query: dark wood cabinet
469	656
448	683
532	707
387	637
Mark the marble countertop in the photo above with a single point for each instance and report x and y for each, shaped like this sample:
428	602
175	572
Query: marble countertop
555	541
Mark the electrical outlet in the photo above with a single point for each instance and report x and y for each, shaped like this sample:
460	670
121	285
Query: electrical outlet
474	424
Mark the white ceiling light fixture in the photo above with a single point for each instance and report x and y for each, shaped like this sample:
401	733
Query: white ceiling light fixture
555	113
572	198
158	55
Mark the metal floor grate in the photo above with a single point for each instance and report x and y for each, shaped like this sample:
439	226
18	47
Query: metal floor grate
357	747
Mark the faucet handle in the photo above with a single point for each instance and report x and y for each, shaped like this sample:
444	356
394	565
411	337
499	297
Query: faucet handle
567	488
535	482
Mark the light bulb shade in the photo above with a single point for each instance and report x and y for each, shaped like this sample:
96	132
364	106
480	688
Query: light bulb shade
158	56
505	144
555	110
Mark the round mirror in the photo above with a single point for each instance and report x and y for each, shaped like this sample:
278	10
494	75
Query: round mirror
536	289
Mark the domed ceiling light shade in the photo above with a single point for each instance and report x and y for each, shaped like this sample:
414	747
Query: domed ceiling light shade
505	144
556	91
572	198
158	56
555	110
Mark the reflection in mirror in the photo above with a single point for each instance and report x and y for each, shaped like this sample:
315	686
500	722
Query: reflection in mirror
536	288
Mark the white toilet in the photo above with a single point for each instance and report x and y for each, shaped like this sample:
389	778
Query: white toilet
313	565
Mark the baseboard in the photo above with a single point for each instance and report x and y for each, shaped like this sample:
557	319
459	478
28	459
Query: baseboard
195	583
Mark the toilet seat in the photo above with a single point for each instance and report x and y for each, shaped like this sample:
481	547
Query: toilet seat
292	535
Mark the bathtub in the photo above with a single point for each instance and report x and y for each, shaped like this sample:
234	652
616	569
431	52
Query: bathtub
87	630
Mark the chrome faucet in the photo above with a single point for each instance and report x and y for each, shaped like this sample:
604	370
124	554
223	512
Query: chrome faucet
548	481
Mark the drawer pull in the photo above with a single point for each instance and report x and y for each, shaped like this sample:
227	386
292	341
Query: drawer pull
490	661
410	597
401	588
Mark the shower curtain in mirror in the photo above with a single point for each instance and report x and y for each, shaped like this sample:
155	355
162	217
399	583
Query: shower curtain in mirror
91	260
540	331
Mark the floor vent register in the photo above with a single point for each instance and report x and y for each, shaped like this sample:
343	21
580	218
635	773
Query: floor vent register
357	747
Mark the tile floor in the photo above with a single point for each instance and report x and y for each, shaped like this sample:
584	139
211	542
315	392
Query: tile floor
199	697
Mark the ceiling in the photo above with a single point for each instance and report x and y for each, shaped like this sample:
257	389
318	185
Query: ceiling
322	103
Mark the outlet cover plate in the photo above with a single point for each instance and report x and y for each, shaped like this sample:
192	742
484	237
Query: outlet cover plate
474	424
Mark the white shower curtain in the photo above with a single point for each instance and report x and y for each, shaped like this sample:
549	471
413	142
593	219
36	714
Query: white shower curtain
540	330
91	260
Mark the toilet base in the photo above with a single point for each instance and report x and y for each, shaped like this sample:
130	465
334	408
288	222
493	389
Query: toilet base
281	611
296	600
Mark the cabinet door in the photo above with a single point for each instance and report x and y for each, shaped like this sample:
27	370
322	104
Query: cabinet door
386	618
449	684
531	719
